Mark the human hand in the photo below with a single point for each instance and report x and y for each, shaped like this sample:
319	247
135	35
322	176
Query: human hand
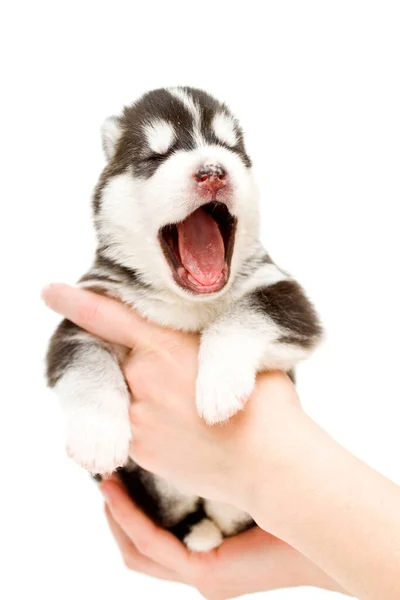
270	460
220	462
250	562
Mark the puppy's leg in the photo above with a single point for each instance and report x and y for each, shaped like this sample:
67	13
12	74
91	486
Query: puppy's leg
271	327
229	519
204	536
85	373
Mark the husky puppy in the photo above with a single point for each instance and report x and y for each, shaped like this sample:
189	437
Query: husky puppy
177	219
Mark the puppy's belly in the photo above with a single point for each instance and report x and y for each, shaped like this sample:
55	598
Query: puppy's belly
229	519
161	501
191	519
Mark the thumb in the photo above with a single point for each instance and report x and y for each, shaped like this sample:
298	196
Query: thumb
107	318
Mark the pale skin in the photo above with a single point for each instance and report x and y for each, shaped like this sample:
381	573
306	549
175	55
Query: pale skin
332	521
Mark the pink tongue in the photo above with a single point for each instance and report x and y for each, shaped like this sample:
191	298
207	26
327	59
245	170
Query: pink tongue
201	247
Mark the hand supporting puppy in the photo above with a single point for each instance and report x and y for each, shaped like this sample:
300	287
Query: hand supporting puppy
250	562
271	460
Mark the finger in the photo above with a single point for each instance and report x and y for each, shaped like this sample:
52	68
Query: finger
107	318
254	539
124	543
133	559
153	542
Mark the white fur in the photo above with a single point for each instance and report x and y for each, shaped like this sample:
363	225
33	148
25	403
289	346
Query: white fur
203	537
160	136
222	388
224	128
237	342
227	517
233	349
267	274
189	103
95	400
110	132
176	504
133	211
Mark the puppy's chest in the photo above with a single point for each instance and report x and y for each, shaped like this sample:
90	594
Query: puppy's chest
172	312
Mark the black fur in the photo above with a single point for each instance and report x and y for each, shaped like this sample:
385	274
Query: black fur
62	351
286	303
132	150
283	302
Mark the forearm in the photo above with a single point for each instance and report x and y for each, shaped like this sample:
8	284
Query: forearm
334	509
286	567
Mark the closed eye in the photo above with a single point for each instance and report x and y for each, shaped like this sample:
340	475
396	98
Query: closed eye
155	157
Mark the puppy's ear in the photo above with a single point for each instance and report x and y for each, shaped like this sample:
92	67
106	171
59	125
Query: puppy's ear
111	131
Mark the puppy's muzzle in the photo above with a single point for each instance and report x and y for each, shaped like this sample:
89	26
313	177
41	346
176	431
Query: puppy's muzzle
211	178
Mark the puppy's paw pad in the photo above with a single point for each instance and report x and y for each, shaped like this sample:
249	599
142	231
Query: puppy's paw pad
219	396
99	443
203	537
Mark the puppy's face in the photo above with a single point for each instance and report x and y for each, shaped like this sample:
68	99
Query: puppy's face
177	201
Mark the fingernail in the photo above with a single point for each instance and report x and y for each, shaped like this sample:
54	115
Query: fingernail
45	292
106	495
111	477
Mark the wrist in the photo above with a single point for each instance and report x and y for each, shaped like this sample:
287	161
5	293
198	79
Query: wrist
305	573
284	482
272	448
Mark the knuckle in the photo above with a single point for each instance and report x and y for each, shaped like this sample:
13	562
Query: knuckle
143	546
140	455
135	414
139	413
202	577
135	449
197	581
195	572
139	376
129	562
209	593
132	370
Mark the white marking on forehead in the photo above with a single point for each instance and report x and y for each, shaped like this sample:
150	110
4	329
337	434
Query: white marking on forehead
189	103
160	135
224	128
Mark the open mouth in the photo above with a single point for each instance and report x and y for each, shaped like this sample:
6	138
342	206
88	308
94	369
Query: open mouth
199	249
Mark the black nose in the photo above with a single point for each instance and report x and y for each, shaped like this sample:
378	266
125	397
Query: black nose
210	172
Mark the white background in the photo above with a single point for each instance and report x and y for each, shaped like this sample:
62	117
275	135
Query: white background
316	85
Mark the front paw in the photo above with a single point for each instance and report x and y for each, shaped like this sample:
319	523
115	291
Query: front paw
222	390
99	441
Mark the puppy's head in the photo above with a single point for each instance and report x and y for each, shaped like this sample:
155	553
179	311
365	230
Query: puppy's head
177	201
